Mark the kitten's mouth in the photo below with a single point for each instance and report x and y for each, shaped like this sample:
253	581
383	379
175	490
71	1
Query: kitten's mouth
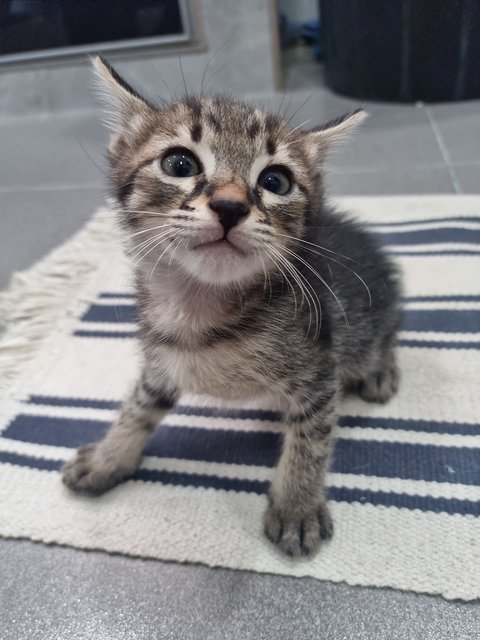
221	246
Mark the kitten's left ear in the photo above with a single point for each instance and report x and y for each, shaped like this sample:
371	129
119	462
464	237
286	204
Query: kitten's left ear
321	138
123	102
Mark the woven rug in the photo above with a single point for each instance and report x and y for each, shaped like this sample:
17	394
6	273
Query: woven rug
404	484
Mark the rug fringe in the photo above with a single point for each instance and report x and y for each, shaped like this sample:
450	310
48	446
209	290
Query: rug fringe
36	298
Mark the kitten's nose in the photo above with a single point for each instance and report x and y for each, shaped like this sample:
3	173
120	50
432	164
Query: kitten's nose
229	211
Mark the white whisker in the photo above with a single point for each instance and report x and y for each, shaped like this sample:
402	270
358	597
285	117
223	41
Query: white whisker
308	292
282	235
333	260
158	261
167	235
269	251
325	283
265	275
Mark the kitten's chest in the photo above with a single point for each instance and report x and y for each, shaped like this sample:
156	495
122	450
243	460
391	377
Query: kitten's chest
196	347
231	371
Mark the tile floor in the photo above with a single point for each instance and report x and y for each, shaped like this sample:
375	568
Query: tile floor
51	179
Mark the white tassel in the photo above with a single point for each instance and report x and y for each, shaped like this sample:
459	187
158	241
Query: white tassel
37	299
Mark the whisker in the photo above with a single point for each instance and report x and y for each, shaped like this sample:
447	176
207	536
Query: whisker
137	233
270	251
157	242
101	169
309	293
348	269
325	283
265	275
146	243
154	214
158	261
183	76
282	235
281	103
297	127
218	71
301	106
174	251
217	50
333	260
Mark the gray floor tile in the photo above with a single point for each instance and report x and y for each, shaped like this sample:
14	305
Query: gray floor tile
58	593
468	177
51	151
392	136
307	107
459	126
34	222
404	181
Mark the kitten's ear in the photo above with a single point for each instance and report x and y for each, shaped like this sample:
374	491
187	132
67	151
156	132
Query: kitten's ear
321	138
122	101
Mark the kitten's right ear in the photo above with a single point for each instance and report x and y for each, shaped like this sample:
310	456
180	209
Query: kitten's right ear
122	101
320	139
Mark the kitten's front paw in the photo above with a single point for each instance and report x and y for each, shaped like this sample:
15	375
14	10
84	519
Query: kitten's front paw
93	473
297	533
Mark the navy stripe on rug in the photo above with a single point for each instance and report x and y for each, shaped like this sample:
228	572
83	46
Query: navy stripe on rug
432	221
466	298
441	298
80	403
427	426
445	320
110	313
108	295
437	252
439	344
430	236
367	457
85	333
338	494
181	409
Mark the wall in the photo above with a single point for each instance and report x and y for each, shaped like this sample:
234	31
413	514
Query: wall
242	30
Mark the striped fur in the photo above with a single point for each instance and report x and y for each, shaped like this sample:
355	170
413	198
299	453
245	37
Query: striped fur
296	301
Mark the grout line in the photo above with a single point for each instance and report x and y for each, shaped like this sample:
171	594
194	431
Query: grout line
367	171
444	151
38	116
51	187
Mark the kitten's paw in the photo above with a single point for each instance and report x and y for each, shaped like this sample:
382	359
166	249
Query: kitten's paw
380	386
92	472
295	533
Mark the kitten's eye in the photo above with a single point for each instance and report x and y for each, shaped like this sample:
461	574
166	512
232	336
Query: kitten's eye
275	179
181	164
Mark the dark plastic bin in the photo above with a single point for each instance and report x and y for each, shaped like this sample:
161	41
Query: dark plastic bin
402	50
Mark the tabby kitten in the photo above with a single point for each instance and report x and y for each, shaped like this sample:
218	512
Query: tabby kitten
247	283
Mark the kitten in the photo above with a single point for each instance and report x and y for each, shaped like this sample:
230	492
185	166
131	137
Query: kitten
247	283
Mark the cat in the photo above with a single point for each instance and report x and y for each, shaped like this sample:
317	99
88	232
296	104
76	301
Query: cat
247	283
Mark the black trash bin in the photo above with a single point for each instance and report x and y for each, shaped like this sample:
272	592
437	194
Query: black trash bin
402	50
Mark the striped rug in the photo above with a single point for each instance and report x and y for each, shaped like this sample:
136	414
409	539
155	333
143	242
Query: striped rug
404	484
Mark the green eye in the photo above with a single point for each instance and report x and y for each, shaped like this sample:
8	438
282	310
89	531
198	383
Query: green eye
276	179
181	163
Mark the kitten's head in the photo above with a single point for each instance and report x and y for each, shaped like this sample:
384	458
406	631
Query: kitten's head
213	187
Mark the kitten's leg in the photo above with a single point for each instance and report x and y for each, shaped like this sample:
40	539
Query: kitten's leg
100	466
297	518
